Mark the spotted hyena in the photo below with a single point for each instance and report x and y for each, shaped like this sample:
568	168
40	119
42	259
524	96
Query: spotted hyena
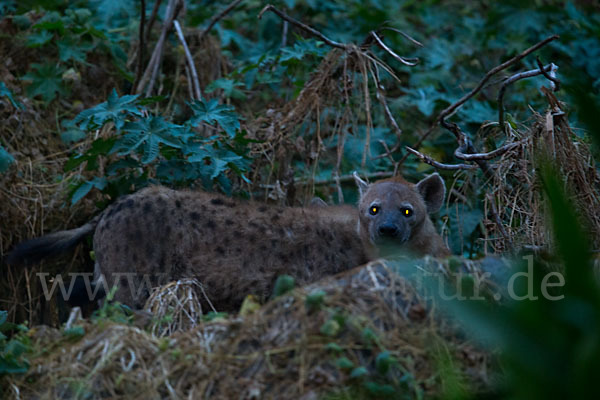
235	248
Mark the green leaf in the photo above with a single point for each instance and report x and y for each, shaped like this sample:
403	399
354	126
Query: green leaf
212	112
5	159
383	361
334	347
229	88
74	332
359	372
283	284
68	49
39	39
3	317
330	328
315	299
46	80
149	133
70	132
52	21
85	187
114	11
115	109
4	91
344	363
384	391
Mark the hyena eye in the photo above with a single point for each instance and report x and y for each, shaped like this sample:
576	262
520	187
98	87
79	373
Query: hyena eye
374	210
407	212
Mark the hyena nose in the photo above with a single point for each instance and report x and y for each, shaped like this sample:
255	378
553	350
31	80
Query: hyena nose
388	230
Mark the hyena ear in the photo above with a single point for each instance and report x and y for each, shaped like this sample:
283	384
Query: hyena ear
433	190
362	185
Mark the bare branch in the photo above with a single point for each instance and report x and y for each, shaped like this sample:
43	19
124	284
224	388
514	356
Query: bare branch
190	61
410	38
381	97
513	79
151	71
334	180
428	160
388	151
312	31
152	19
406	61
452	108
141	44
218	17
459	153
551	75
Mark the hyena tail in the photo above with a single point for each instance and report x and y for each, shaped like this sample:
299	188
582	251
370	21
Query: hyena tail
34	250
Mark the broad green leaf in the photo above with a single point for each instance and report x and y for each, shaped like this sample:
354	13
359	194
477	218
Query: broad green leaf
70	132
149	132
301	49
46	81
68	49
39	39
229	88
85	187
114	11
212	112
115	109
52	21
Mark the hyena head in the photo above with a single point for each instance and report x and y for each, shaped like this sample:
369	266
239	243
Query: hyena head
393	212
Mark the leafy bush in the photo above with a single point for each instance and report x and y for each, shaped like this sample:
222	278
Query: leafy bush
12	360
143	143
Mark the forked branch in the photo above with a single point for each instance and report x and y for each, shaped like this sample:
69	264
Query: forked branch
436	164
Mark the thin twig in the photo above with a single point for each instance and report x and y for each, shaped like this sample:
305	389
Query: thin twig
284	33
410	38
550	75
329	181
509	81
218	17
312	31
498	220
190	61
152	19
388	152
141	45
380	95
406	61
152	67
459	153
453	107
428	160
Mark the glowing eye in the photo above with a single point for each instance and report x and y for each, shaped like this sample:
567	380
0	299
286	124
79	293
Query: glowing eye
374	210
407	212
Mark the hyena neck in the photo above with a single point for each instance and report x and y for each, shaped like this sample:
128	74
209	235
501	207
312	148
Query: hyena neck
426	240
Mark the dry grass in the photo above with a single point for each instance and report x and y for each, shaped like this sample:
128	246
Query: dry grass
282	351
517	191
